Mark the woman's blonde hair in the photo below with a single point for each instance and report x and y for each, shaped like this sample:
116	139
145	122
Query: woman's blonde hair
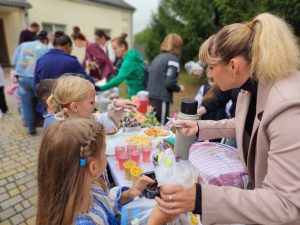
172	43
70	89
267	43
61	177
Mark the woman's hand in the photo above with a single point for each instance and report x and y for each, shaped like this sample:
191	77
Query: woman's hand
176	200
138	187
125	103
186	127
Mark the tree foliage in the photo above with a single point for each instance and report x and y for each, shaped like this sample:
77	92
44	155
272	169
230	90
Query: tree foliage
195	20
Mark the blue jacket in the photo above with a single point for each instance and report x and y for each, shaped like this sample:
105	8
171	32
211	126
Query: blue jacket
26	56
54	64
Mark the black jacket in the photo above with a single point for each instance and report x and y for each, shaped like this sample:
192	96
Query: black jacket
163	76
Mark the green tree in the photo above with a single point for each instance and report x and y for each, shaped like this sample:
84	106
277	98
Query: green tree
195	20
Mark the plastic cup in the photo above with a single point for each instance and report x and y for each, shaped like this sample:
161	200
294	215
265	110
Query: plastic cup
122	158
135	156
119	149
131	148
127	166
135	174
146	151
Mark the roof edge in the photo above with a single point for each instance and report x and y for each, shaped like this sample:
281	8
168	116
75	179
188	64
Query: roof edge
25	5
129	7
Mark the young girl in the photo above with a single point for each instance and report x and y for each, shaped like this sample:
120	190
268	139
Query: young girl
75	98
44	91
71	160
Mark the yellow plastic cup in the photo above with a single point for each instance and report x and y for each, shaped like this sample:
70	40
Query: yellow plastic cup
128	164
135	174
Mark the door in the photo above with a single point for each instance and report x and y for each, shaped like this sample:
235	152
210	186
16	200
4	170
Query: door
4	60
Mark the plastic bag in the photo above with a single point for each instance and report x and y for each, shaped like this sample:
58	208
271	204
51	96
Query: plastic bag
171	172
218	164
137	211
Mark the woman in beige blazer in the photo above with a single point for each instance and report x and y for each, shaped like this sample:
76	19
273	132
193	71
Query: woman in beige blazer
262	58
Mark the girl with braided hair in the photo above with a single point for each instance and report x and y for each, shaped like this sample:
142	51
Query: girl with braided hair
69	191
75	98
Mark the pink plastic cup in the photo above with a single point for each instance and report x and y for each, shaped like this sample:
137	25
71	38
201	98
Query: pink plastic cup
122	158
146	151
131	148
119	150
135	156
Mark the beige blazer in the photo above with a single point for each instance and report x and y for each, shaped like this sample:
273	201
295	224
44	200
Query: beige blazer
273	161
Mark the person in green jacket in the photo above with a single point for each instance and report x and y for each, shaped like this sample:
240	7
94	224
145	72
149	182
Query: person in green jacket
131	70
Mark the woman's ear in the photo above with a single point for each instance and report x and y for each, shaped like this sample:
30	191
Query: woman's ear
74	107
234	66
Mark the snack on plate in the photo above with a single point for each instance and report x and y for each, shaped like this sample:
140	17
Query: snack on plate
156	132
140	140
129	119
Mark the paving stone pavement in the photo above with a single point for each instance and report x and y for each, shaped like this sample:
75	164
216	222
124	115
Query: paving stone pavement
18	164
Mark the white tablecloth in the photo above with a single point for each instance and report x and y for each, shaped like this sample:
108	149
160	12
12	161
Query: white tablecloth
119	139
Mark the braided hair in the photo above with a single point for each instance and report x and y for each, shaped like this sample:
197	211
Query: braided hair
61	177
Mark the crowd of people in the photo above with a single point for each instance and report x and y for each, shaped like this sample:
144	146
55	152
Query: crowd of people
252	99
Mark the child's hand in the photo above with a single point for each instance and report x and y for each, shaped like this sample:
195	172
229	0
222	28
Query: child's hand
125	103
139	186
136	189
201	110
157	217
142	183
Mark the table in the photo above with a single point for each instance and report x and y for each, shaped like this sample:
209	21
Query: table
117	174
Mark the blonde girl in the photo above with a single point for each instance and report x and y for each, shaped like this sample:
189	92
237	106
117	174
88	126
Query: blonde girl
71	160
75	98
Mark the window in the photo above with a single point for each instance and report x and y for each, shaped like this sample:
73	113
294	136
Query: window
52	27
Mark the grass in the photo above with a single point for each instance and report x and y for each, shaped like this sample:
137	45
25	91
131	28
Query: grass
190	84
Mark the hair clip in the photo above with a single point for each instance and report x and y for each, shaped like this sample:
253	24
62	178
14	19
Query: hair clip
82	162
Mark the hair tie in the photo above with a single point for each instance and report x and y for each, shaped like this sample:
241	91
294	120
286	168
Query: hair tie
82	162
250	25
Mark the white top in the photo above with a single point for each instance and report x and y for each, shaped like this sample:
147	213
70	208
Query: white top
109	51
2	82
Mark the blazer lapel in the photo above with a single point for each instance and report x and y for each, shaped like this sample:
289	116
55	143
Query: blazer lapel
263	90
242	106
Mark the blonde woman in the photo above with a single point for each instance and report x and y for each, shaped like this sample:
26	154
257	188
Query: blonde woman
163	76
262	58
75	98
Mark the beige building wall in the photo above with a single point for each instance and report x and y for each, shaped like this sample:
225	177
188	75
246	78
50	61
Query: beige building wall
13	19
88	16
